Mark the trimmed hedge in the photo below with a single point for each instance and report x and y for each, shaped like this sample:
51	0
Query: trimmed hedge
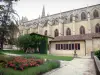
49	65
97	53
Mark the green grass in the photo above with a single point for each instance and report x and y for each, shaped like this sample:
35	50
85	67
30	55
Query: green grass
12	51
33	70
45	56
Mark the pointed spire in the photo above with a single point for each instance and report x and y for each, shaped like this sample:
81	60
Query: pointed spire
43	12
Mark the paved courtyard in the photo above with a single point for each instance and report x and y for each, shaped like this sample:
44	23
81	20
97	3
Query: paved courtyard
78	66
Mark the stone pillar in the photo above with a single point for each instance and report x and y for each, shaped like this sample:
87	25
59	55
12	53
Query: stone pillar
89	47
73	30
25	31
49	28
30	30
89	24
61	27
40	28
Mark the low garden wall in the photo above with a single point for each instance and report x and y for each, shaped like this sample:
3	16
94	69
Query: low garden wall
97	65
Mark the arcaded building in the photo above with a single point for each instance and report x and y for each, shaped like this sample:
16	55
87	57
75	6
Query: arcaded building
77	29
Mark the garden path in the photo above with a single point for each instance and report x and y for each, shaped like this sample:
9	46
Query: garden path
78	66
11	54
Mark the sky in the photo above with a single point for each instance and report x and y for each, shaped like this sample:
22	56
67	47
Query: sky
33	8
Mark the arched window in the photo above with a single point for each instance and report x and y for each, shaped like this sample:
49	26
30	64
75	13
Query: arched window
56	33
97	28
68	31
71	18
83	16
95	14
45	33
82	30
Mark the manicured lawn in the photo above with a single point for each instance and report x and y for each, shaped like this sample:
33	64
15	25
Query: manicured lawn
45	56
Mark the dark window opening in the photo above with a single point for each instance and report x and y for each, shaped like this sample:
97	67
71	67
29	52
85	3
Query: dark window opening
82	30
68	31
61	46
69	46
95	14
97	28
72	46
56	33
78	46
83	16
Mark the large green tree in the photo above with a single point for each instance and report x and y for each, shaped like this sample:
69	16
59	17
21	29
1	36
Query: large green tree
34	42
8	21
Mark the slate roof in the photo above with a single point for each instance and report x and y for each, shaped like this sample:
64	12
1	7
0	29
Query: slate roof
76	37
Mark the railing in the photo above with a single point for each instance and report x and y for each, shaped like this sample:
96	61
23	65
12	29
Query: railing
97	65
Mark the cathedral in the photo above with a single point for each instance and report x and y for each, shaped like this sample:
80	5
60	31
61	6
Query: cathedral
74	30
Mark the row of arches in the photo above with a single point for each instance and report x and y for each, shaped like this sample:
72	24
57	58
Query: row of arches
84	16
68	31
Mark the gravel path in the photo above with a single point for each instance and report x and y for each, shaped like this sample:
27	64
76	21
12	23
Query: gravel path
78	66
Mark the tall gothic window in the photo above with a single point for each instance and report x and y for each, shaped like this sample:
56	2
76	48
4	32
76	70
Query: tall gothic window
45	33
71	18
68	31
83	16
56	33
82	30
95	14
97	28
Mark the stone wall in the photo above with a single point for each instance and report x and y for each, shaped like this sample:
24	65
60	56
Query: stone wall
97	65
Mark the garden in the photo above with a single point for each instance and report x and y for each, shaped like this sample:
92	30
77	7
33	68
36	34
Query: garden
12	65
32	57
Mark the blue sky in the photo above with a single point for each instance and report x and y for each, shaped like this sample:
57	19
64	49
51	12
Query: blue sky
33	8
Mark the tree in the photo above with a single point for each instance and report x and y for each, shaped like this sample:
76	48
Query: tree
33	42
24	42
8	21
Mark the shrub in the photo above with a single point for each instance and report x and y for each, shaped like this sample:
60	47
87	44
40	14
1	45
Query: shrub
38	70
20	63
97	53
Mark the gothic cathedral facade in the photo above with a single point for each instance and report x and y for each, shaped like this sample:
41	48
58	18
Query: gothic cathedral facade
77	29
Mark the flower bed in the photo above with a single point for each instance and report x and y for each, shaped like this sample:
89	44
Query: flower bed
20	63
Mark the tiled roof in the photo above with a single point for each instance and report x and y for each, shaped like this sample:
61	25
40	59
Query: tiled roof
76	37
